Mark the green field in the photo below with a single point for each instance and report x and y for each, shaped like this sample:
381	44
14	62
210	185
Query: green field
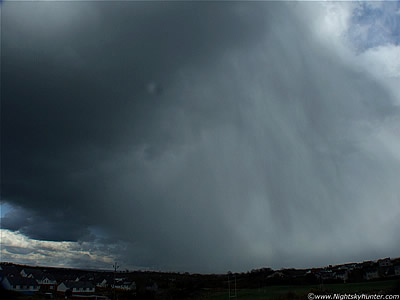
301	291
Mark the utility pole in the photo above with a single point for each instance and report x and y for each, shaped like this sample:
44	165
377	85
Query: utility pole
235	287
232	294
115	266
229	288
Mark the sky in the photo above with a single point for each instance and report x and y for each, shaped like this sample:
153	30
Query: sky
199	136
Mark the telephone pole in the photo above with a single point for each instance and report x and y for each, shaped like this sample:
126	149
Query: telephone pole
232	292
115	266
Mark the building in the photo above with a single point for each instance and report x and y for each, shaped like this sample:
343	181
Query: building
342	275
397	270
31	273
348	266
76	287
384	262
126	285
103	283
152	287
325	275
28	286
371	273
46	281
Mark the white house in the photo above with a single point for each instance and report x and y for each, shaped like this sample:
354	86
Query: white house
20	284
126	285
46	281
103	283
76	287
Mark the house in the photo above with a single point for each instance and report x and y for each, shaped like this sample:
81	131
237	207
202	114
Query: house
397	270
126	285
276	275
325	275
31	273
63	276
348	266
41	277
28	286
342	275
367	264
76	287
152	287
46	281
119	279
371	273
384	262
103	283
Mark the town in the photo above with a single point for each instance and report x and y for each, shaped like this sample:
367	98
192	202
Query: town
51	283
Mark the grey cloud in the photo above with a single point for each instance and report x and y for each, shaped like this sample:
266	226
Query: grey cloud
255	150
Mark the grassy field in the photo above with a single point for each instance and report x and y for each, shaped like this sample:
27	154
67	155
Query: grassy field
301	291
283	292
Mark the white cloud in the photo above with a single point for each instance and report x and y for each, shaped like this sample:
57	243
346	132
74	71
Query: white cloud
50	253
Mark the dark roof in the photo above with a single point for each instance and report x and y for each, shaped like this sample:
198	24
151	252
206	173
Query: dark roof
384	259
9	270
60	277
48	276
100	279
78	284
19	280
37	274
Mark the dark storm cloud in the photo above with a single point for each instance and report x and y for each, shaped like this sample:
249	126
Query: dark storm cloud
46	227
89	84
76	95
255	141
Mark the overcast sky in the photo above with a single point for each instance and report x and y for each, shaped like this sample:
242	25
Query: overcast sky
200	136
